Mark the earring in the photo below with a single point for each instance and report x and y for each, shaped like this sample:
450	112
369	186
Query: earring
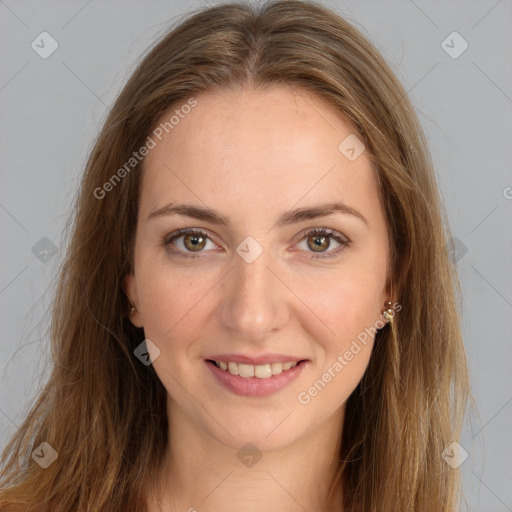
388	312
133	309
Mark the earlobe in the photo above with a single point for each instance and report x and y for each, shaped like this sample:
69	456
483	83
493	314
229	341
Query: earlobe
389	303
130	288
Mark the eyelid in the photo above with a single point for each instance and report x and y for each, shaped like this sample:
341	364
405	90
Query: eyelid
188	231
322	230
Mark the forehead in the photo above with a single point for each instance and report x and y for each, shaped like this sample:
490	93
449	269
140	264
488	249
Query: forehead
278	146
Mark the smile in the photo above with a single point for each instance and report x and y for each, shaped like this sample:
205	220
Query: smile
260	371
256	380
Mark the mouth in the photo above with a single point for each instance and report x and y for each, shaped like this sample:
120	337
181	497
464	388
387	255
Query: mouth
255	380
259	371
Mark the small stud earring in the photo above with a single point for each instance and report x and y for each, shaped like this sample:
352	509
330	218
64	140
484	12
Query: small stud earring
133	309
388	313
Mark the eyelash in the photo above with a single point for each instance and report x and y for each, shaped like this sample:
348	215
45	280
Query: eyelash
313	232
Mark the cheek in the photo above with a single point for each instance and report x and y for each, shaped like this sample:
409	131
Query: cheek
343	356
346	304
172	301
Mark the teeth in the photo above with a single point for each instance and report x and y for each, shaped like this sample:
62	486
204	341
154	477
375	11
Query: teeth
233	368
276	368
246	370
260	371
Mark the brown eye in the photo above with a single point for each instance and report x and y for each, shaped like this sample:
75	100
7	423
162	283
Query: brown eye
194	242
188	243
319	243
320	240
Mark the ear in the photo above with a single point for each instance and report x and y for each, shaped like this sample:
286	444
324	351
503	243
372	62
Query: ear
130	287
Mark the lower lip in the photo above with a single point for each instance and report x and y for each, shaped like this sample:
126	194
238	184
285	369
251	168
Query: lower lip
252	386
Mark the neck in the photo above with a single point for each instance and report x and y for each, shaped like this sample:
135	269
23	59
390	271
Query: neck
201	474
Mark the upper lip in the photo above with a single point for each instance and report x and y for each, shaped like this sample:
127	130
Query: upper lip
262	359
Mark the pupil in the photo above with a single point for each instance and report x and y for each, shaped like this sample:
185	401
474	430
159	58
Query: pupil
320	241
195	240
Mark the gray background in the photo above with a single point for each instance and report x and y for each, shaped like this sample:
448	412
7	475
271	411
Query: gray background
52	109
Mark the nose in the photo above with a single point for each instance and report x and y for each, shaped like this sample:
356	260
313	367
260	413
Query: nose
254	304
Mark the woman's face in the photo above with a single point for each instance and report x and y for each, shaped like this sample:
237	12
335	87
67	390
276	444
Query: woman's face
253	174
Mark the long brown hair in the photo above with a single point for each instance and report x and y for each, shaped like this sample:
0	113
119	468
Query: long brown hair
105	413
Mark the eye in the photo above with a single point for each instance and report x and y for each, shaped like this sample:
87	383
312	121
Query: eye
189	241
319	240
193	241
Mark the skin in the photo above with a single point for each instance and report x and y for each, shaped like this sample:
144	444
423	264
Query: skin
253	156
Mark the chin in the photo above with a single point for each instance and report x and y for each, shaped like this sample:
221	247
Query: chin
272	432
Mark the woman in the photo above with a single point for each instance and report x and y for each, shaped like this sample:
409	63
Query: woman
257	308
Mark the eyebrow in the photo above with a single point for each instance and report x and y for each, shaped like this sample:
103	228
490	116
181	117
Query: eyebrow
291	217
